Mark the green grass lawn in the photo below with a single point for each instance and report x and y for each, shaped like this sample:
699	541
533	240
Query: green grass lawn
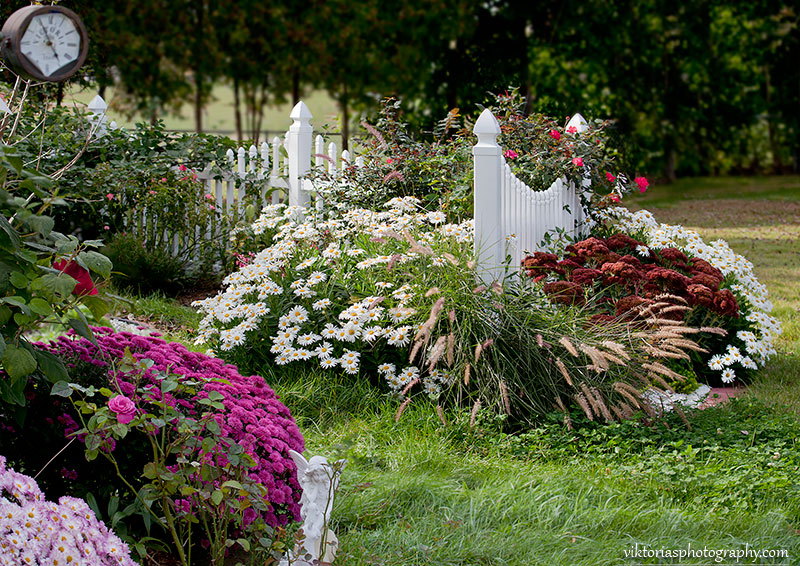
219	114
417	492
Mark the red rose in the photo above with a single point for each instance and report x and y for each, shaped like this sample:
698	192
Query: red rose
85	284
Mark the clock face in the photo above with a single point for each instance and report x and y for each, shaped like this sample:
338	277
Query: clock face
51	42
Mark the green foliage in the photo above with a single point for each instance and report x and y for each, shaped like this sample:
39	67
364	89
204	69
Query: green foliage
143	270
33	290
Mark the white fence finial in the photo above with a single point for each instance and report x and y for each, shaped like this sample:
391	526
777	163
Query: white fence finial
579	123
489	236
487	129
298	144
97	105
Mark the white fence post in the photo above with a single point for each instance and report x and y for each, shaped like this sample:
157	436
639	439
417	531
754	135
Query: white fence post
488	163
299	149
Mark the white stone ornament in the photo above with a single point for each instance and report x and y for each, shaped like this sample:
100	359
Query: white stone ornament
319	480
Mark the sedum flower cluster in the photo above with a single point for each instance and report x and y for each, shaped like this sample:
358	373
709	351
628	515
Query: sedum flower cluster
335	291
747	348
38	532
253	415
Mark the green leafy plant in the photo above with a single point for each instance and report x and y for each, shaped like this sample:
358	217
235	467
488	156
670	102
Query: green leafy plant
40	271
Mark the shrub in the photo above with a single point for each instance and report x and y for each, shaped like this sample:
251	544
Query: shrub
245	408
538	149
143	270
35	531
392	297
44	276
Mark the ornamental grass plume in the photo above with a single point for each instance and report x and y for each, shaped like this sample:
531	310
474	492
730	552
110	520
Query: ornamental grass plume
37	532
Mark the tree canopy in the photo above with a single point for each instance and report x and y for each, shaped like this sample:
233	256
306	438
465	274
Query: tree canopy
696	88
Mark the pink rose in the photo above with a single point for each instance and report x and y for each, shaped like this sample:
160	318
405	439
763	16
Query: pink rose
572	130
611	178
389	160
110	196
555	135
182	167
578	161
642	182
163	179
209	196
123	407
511	154
614	198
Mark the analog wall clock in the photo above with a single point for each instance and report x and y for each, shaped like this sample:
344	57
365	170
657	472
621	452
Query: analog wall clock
45	43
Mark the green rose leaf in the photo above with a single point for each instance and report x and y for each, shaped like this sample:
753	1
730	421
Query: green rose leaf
41	224
41	307
18	362
98	307
17	302
18	280
216	497
81	326
61	389
97	262
60	285
51	365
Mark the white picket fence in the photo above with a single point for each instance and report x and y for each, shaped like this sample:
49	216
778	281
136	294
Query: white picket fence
282	173
510	217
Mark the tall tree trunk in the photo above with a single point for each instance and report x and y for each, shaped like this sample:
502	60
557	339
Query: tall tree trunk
295	85
345	117
198	103
777	164
237	108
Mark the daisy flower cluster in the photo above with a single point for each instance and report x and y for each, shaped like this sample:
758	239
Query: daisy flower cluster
37	532
330	289
749	348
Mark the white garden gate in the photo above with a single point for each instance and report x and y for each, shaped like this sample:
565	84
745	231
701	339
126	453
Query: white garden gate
510	217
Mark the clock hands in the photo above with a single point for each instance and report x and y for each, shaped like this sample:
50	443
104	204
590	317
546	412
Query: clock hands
49	41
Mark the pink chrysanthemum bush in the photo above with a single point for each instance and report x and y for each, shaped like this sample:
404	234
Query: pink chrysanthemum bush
252	414
222	454
34	531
